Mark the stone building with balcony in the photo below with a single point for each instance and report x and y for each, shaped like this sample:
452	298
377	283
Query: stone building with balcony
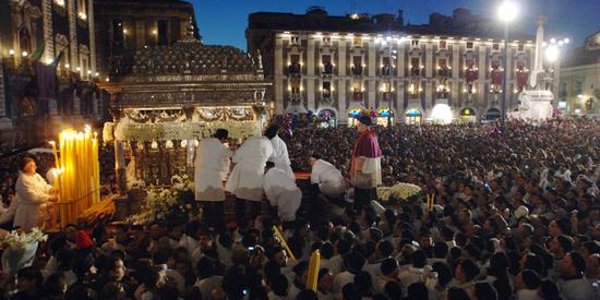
338	64
580	78
47	67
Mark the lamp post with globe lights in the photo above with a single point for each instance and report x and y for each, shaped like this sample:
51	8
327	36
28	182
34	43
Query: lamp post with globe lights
552	52
508	11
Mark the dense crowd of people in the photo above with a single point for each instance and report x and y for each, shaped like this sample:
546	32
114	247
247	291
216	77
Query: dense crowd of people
516	216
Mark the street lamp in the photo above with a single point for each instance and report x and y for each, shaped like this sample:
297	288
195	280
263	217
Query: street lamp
507	12
552	49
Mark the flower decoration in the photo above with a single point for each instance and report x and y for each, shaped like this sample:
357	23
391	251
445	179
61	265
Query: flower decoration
20	249
18	239
163	205
401	191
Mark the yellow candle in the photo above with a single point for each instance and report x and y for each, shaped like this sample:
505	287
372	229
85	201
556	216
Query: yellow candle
80	180
283	241
314	266
56	162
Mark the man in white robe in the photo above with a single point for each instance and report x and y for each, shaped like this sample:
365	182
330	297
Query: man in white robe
282	192
246	179
329	179
33	196
210	164
280	157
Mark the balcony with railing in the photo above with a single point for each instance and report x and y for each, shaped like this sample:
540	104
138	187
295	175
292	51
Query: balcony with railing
387	70
294	69
357	70
415	71
444	72
328	69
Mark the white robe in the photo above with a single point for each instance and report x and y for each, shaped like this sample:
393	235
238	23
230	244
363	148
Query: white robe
9	213
283	193
32	194
280	157
210	162
246	179
328	177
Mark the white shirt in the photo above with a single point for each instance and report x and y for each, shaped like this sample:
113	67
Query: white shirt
340	280
33	193
211	163
280	156
330	179
281	191
246	179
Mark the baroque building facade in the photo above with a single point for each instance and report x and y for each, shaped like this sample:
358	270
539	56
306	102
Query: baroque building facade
47	66
580	78
125	26
336	65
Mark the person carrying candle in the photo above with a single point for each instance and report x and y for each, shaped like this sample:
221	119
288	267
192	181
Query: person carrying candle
33	196
211	166
365	169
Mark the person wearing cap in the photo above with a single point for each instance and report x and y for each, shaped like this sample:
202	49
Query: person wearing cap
365	169
211	165
280	156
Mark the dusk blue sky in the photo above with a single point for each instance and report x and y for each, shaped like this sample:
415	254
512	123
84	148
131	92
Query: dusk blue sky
225	21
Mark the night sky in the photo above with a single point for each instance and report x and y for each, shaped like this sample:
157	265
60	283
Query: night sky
224	21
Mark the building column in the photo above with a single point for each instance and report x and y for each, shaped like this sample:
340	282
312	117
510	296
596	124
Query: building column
279	82
72	13
428	89
342	87
401	83
92	33
371	92
429	65
400	101
482	80
5	122
510	83
371	75
310	72
49	54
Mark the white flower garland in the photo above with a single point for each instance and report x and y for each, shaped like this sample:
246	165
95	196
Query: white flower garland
399	191
126	130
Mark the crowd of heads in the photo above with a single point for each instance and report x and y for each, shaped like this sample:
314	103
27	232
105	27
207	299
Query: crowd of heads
516	212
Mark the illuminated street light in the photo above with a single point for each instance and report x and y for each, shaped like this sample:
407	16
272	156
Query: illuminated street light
552	49
552	53
507	12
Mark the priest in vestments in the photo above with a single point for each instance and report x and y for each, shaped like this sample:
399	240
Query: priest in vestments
246	179
211	164
365	170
